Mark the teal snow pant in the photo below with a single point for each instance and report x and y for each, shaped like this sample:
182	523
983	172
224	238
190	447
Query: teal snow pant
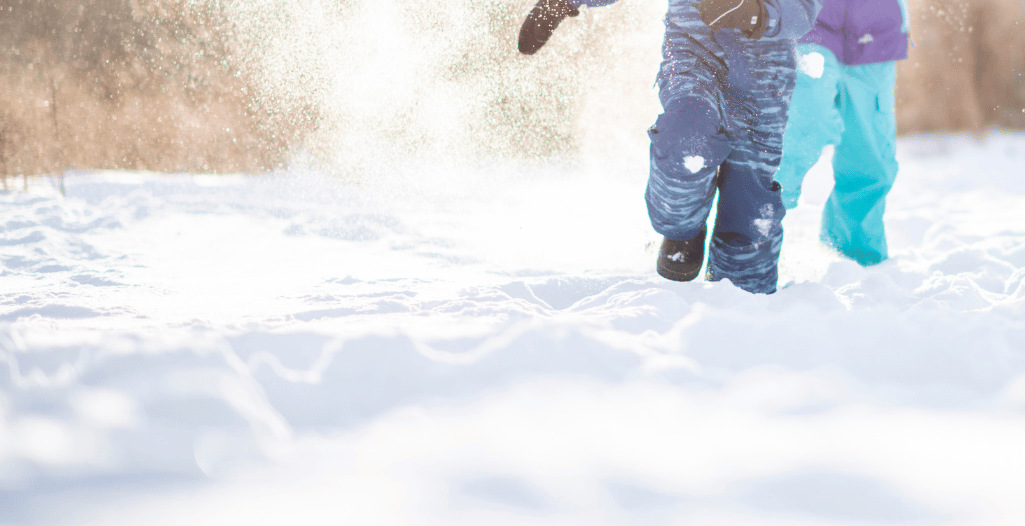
852	108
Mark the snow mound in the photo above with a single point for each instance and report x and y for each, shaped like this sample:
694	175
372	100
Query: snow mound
447	350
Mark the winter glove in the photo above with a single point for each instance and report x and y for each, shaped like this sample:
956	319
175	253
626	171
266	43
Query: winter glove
541	23
749	16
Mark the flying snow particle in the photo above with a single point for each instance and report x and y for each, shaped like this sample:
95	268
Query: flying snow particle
694	163
812	64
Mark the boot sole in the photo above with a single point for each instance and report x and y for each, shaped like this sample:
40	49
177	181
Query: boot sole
674	275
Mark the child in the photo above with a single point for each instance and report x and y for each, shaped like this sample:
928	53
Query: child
727	75
844	97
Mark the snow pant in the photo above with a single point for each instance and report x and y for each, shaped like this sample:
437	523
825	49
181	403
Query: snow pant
852	108
724	100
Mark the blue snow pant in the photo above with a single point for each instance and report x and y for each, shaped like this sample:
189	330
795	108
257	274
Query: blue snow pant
724	100
852	108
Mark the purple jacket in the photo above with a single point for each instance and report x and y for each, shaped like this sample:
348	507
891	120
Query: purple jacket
862	31
788	19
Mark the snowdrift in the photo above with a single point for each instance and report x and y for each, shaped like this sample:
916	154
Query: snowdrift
491	345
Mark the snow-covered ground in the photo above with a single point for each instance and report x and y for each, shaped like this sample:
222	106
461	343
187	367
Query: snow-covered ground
491	345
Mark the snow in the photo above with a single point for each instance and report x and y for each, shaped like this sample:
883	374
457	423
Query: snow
491	345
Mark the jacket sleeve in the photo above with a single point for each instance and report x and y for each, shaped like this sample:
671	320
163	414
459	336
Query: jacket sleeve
791	19
591	3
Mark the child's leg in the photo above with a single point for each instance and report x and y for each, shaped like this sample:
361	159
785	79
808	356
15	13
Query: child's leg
748	232
864	164
748	235
688	142
814	121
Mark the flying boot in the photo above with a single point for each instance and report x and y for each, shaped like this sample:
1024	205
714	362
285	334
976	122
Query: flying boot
541	23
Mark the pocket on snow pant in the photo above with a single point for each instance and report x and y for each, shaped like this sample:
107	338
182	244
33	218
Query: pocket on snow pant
885	123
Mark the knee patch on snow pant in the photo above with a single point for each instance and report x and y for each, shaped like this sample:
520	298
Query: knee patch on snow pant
687	147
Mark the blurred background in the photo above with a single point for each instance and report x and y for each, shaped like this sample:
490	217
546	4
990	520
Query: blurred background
352	86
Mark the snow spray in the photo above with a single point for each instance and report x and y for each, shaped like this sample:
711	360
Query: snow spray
408	81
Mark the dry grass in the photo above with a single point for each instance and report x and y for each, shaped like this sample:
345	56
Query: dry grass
127	84
965	71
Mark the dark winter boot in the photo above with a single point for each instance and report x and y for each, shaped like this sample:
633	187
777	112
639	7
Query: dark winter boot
541	23
681	260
